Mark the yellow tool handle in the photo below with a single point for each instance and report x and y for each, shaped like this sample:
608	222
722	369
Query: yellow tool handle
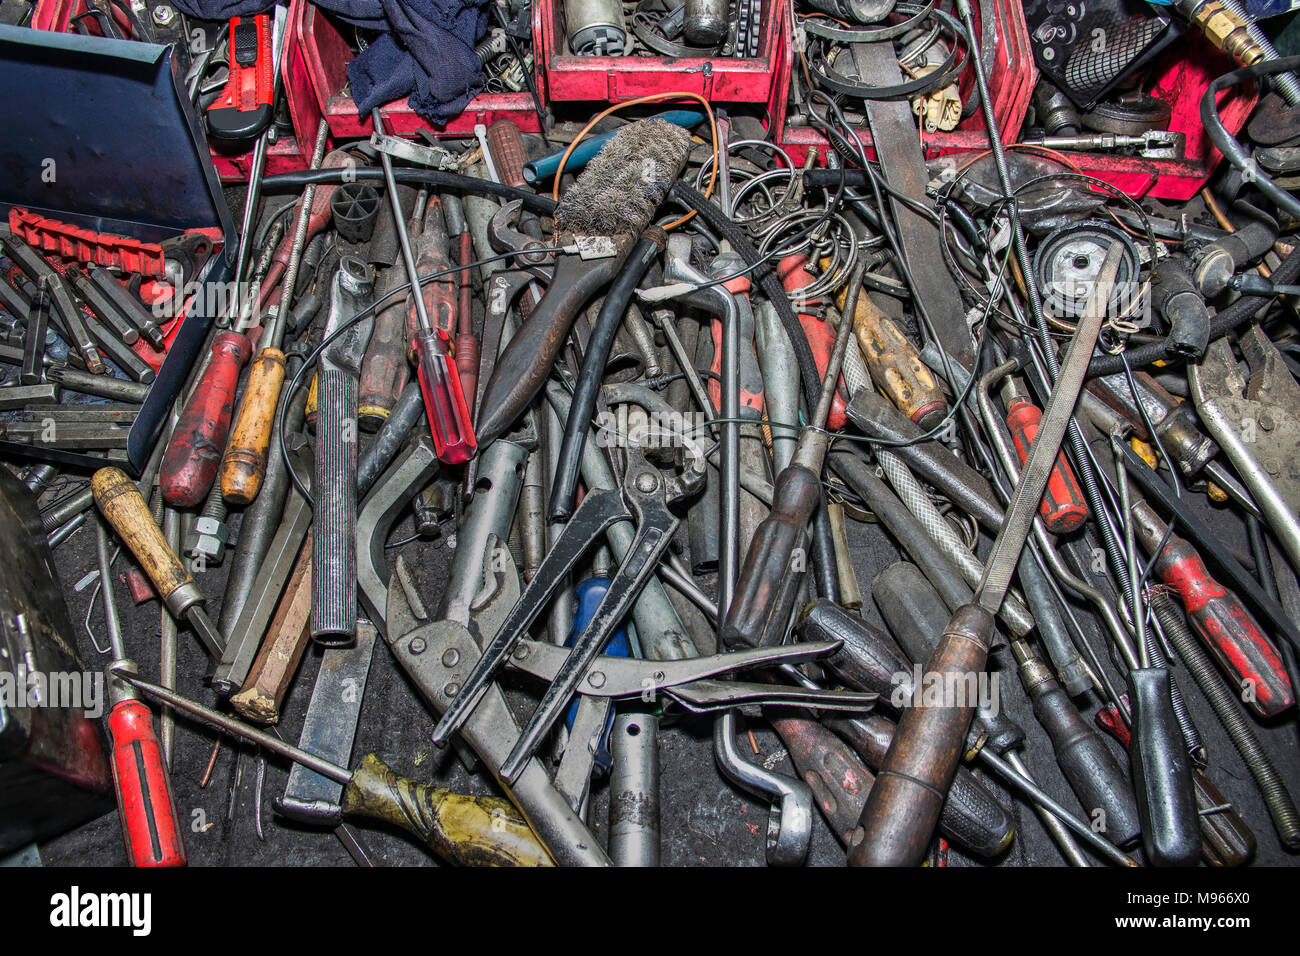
464	830
122	504
894	364
244	464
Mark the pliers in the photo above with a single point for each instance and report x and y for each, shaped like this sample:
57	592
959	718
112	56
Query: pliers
644	498
1252	416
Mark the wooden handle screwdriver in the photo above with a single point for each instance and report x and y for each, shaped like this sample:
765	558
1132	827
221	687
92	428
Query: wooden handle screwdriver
122	504
244	464
903	809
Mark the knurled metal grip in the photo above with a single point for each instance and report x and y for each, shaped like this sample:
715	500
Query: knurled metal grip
334	552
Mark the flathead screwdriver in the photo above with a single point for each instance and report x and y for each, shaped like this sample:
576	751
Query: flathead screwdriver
144	791
444	401
122	504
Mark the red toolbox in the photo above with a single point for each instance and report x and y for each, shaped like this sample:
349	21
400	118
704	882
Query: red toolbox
1011	82
762	80
1180	78
283	156
316	78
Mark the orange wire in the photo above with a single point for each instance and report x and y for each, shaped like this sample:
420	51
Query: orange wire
653	98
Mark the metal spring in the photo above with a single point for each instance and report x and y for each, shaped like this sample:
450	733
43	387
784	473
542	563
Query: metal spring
494	44
839	242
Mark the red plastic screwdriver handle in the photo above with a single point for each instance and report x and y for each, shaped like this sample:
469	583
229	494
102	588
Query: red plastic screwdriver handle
444	402
144	791
821	337
751	380
189	465
1063	508
1228	629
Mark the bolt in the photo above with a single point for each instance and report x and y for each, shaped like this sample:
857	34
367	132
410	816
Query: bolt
596	679
1270	465
163	15
1266	421
418	646
647	482
452	689
521	652
451	658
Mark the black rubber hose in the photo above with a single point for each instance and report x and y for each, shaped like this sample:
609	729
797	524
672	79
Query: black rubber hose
564	489
1232	150
767	279
1240	312
289	182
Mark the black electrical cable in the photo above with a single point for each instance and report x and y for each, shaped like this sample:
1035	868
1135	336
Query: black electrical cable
1227	319
564	487
1227	144
288	182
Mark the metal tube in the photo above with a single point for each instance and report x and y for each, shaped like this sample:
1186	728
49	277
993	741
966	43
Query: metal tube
634	790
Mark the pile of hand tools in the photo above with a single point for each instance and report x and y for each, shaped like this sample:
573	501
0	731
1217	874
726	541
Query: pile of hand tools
945	505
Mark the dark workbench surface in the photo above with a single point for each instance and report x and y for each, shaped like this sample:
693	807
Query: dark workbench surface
705	820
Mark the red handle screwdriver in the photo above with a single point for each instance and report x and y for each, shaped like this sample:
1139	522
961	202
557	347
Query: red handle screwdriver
144	791
795	275
189	465
1063	508
444	401
1218	616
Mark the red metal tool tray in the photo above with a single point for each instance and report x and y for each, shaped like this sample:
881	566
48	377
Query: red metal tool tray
1011	83
1180	78
316	77
761	80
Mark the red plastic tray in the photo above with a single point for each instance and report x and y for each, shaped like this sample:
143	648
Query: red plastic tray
1180	79
1011	83
761	80
316	76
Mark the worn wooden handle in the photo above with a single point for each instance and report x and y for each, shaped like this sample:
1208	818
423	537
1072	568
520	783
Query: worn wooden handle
903	809
126	510
244	464
286	639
